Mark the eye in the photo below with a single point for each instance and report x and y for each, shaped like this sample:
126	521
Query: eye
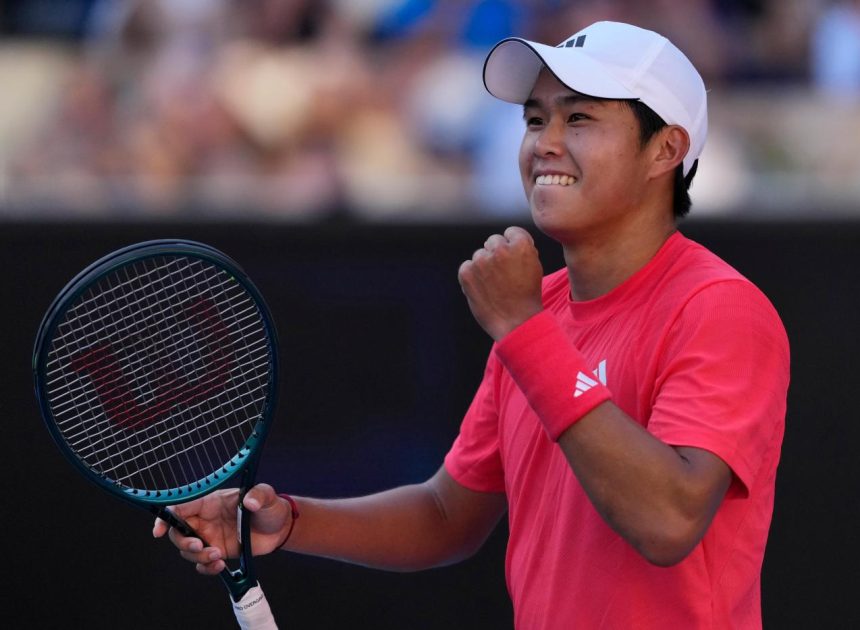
576	117
533	121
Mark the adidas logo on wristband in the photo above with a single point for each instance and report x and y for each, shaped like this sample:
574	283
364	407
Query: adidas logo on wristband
585	382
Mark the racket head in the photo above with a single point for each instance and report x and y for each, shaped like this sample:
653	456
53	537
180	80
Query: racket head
119	399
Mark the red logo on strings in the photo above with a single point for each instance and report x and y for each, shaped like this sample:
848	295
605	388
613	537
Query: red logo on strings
114	387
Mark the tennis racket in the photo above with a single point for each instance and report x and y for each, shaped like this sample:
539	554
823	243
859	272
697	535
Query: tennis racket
155	370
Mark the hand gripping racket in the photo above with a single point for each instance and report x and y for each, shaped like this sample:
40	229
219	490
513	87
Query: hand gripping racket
156	370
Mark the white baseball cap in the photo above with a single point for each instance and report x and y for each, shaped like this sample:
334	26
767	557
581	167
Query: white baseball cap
609	60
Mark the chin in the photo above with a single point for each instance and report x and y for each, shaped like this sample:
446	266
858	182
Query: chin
563	225
554	226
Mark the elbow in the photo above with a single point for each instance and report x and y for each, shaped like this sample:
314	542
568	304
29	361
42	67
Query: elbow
458	550
468	548
668	545
665	555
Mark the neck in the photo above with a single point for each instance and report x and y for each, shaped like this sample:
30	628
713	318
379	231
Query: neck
598	264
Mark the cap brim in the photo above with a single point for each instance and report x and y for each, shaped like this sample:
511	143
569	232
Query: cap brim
513	66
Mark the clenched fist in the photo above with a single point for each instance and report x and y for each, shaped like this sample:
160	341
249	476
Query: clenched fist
502	282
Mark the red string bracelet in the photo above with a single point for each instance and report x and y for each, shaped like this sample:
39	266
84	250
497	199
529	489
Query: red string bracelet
294	516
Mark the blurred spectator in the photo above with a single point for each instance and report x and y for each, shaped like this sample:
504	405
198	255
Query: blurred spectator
65	19
306	109
836	50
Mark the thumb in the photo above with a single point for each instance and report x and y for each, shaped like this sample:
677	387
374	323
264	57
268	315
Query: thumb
259	497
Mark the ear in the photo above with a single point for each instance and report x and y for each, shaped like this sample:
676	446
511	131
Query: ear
670	146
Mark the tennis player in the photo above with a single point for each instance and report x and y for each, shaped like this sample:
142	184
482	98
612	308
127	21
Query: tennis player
632	410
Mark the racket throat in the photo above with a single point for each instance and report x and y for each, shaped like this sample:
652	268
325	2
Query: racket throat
237	581
244	578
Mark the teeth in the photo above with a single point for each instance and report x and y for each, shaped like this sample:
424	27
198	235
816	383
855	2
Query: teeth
557	180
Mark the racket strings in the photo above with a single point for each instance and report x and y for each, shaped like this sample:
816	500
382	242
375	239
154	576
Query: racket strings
182	429
229	312
108	308
102	450
161	475
136	368
182	442
158	373
88	330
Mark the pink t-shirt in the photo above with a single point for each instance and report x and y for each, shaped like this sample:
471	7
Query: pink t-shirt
695	353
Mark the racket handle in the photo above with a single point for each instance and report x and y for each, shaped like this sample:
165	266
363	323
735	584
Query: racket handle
177	523
253	612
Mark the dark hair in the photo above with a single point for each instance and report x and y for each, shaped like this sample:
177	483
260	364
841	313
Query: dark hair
649	124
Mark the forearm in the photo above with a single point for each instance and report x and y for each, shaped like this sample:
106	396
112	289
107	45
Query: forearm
405	529
399	529
661	499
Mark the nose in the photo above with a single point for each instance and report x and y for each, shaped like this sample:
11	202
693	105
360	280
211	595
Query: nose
550	138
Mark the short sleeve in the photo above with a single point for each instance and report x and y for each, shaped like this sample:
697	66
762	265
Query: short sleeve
474	460
723	378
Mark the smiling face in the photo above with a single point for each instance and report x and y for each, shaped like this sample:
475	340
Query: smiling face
582	163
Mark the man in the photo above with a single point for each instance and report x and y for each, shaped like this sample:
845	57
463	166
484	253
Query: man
632	409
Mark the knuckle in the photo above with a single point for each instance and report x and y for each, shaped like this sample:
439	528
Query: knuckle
493	240
515	233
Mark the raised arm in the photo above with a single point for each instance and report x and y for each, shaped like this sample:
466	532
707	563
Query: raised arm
658	497
412	527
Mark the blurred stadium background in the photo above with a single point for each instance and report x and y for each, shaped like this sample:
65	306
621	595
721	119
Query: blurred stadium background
345	153
374	109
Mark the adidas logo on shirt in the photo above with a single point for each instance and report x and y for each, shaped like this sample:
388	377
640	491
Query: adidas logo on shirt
584	382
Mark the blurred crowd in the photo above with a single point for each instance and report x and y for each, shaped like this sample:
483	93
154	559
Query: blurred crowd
320	109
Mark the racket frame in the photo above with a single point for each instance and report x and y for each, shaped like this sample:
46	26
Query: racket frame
237	581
